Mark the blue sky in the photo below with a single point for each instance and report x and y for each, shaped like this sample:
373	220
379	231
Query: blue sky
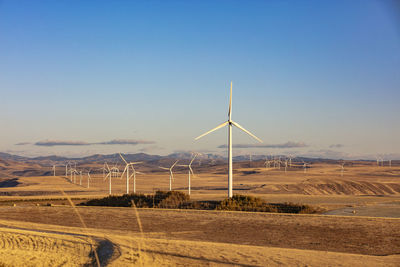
313	73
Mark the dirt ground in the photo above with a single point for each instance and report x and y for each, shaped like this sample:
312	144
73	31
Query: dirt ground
359	235
31	244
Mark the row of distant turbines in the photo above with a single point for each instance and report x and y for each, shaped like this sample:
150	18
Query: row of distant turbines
129	172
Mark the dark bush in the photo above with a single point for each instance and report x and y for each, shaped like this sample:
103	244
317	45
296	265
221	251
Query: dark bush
180	200
171	199
161	199
250	203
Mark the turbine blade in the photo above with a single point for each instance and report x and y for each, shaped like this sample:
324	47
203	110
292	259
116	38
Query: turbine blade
249	133
123	158
191	170
124	171
230	103
195	155
173	165
105	178
216	128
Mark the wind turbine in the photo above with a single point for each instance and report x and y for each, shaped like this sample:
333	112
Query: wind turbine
54	170
115	171
267	163
109	176
230	122
104	169
73	172
88	178
342	170
290	160
305	166
80	179
66	169
190	171
171	175
130	164
286	165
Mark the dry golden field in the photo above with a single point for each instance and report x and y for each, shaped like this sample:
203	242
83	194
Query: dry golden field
32	234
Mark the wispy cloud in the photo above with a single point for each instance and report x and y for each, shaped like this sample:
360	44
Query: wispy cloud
336	146
126	142
22	144
82	143
61	143
284	145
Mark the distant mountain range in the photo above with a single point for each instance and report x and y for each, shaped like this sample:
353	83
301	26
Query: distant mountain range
151	159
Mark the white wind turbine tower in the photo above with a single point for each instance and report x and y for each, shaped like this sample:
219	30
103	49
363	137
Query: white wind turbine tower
286	165
54	170
128	165
229	122
88	178
342	170
73	172
171	175
66	169
109	176
80	179
290	160
267	163
305	166
190	171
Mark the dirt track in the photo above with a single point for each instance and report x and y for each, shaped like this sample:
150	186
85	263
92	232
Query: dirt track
370	236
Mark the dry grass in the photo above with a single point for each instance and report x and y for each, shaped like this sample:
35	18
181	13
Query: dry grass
372	236
69	246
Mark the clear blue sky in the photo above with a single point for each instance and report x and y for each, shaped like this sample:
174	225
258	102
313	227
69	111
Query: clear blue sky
322	73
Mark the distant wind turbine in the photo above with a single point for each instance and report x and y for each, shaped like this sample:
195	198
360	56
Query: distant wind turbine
190	171
129	165
88	178
342	170
229	122
66	169
305	166
80	179
171	175
109	176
